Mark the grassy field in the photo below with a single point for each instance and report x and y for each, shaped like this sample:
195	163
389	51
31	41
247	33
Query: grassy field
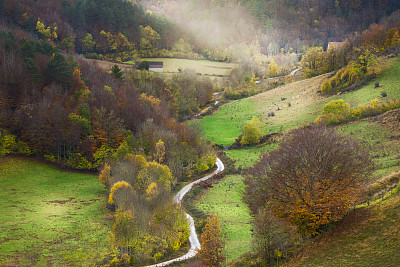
225	200
293	105
50	217
246	157
224	126
204	67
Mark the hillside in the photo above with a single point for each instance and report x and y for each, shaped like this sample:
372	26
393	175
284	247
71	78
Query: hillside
378	134
368	236
71	106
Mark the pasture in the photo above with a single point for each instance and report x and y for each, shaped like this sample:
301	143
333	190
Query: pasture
203	67
294	105
50	217
225	200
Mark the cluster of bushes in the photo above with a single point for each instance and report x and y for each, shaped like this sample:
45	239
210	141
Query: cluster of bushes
337	111
148	225
184	93
243	90
9	144
217	55
346	79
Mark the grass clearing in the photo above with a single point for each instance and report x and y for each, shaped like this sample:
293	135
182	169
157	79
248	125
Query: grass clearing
246	157
204	67
50	217
226	125
225	200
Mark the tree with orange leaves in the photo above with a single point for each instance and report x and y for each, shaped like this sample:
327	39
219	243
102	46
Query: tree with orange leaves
211	243
311	180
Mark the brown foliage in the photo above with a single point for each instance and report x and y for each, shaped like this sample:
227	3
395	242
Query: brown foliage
104	176
311	180
273	236
211	243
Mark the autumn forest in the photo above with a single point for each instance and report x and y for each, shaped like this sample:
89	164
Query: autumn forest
298	100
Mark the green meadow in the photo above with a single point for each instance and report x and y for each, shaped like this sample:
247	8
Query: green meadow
204	67
49	216
225	200
381	142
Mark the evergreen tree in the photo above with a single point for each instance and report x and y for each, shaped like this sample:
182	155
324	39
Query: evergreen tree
58	70
116	71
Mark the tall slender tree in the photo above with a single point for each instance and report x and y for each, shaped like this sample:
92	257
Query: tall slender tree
211	243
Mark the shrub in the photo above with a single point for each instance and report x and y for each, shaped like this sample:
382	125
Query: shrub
251	132
335	112
143	65
373	108
10	145
105	176
326	88
345	77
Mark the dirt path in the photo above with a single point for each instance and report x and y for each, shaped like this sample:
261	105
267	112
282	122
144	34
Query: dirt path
193	238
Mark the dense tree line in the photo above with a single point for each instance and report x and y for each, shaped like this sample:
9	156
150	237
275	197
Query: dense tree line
296	24
111	30
148	225
72	112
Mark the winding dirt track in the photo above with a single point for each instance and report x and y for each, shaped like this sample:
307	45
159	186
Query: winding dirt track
193	239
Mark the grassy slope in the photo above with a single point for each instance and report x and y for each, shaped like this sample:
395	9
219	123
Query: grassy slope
305	105
224	199
224	126
368	236
50	217
381	141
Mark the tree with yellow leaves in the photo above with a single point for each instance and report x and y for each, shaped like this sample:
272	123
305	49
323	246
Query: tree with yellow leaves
160	152
124	235
154	172
252	132
46	32
105	176
121	195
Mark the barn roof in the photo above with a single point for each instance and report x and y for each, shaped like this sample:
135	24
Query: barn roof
156	64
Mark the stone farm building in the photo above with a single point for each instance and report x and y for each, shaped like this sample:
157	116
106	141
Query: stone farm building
156	66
